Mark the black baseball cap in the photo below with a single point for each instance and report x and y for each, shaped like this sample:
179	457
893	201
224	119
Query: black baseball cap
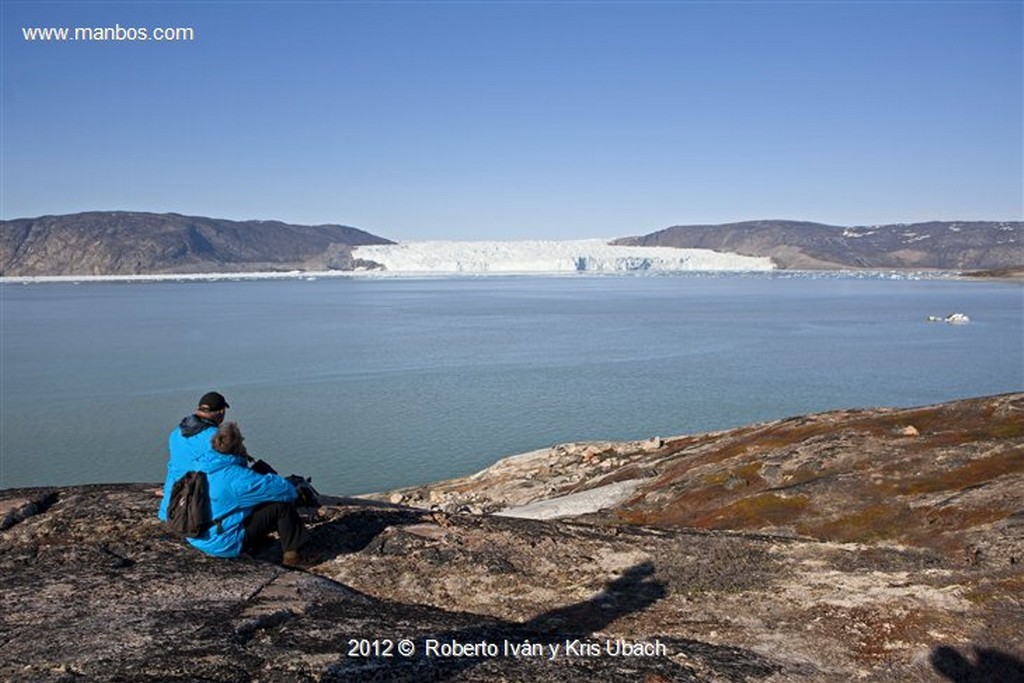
213	401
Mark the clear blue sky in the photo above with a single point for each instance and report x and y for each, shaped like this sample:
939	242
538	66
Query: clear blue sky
506	120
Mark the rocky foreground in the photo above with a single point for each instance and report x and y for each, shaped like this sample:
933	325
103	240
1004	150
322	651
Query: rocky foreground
875	545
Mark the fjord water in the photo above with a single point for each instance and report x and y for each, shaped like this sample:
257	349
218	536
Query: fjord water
370	384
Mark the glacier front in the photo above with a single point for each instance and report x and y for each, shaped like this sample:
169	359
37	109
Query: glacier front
549	256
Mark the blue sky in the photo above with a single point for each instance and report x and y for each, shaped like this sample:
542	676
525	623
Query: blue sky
509	120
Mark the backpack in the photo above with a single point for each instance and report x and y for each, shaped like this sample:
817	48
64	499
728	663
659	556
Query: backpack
308	497
188	512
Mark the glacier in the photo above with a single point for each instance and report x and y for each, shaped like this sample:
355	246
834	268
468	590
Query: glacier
549	256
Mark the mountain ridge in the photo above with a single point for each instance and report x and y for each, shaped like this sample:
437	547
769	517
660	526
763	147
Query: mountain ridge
103	243
137	243
950	245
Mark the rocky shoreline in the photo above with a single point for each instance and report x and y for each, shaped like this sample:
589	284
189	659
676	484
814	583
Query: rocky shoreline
881	545
1014	274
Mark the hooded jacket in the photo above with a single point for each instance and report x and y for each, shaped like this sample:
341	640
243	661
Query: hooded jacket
235	490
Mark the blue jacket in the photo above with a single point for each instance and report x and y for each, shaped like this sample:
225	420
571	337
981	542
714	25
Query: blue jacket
234	489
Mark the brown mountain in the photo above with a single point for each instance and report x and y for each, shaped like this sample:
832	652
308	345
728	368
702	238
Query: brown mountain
976	245
133	243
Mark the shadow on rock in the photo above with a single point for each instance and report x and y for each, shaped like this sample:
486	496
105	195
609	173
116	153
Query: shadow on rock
634	591
353	531
559	646
988	665
335	532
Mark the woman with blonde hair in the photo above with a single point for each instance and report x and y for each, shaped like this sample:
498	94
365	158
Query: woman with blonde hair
229	441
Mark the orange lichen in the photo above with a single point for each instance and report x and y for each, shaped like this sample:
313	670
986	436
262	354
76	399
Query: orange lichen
997	590
874	635
848	475
878	521
749	473
972	473
756	511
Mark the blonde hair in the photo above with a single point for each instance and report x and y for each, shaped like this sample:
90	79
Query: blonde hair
229	439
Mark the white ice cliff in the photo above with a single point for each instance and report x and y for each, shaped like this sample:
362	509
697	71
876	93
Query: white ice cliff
542	256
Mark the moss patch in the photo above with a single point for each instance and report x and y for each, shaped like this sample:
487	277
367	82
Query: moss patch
769	509
971	474
878	521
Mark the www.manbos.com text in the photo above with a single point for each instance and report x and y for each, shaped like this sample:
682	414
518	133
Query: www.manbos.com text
115	33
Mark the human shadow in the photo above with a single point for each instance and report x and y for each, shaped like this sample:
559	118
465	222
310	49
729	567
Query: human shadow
634	591
560	644
989	665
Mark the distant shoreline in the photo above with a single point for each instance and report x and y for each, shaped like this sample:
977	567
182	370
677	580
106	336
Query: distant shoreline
1011	275
1015	274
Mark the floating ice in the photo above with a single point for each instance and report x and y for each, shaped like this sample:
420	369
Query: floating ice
952	319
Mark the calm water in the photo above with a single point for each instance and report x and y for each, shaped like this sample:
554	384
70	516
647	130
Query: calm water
372	384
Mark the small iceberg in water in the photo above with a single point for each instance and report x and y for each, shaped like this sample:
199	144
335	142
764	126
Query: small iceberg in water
952	319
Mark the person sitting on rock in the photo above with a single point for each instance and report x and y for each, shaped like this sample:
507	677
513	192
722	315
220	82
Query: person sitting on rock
247	505
190	439
279	515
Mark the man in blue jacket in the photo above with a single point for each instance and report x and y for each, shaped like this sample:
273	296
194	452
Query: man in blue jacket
249	505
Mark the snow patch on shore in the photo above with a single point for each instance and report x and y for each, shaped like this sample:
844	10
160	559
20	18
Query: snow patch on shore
582	503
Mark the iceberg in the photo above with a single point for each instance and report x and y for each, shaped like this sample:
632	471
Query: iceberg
550	256
952	319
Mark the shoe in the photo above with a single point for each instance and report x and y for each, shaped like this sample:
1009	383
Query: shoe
297	559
